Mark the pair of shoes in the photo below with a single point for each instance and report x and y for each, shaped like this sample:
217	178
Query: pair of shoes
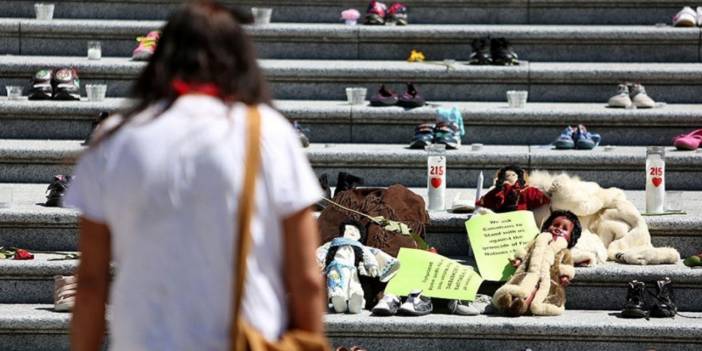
386	97
60	84
577	138
629	94
56	190
689	141
64	292
378	13
146	47
470	308
415	304
495	51
687	17
636	305
446	133
304	140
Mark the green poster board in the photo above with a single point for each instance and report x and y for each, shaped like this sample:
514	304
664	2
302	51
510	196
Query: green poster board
435	275
494	238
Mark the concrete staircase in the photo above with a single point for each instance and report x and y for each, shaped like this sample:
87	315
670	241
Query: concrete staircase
574	53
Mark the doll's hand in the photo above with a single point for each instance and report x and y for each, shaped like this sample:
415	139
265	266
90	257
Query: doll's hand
362	270
565	281
373	271
516	262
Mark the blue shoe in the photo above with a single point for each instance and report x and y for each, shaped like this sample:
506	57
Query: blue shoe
565	140
585	140
447	134
423	136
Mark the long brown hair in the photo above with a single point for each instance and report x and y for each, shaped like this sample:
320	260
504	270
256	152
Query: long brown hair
202	42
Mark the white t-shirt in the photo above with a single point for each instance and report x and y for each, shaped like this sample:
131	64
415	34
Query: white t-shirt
168	189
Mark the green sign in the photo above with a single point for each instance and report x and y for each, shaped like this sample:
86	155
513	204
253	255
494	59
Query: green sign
494	238
435	275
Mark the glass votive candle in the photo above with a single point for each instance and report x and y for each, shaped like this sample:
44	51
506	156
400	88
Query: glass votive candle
94	50
356	96
96	92
262	15
14	92
44	12
517	98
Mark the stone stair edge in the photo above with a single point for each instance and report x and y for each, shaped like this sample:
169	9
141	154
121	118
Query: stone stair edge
474	113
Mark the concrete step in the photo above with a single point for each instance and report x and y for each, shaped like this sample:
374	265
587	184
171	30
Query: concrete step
573	43
30	225
35	327
421	11
336	121
385	164
327	80
32	281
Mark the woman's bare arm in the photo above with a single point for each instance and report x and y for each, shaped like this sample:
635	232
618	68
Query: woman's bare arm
88	321
304	283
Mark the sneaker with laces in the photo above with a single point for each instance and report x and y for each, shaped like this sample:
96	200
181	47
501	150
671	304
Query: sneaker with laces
64	292
384	97
447	133
416	304
66	84
387	306
481	52
635	306
376	13
566	140
585	140
687	17
469	308
397	14
622	99
42	88
411	98
423	136
56	190
664	304
501	53
146	47
639	97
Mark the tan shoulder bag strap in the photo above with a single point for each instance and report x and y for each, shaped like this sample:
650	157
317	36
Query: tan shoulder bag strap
246	208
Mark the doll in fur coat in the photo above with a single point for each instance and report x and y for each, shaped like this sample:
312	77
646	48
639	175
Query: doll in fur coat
544	269
613	229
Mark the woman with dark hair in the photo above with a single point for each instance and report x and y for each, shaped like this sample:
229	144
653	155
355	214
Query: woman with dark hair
159	192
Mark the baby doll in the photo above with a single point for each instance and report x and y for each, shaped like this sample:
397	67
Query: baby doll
544	269
344	258
512	193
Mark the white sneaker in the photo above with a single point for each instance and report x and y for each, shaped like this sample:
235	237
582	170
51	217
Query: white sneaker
687	17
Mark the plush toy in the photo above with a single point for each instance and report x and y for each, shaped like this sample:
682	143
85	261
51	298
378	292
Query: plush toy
544	269
614	227
512	193
344	258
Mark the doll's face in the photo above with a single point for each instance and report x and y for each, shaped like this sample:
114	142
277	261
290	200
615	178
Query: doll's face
511	177
352	232
561	227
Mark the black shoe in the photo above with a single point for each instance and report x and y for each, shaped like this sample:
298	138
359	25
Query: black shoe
66	84
635	306
101	117
481	52
664	304
41	88
384	97
416	304
501	53
304	140
56	190
411	98
324	183
346	181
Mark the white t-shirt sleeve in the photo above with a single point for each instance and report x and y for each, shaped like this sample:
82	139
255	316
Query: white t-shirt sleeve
292	183
85	192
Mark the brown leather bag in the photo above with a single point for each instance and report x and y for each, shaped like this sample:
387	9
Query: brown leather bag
242	335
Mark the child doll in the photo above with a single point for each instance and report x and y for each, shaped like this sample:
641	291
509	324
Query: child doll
544	269
344	258
512	193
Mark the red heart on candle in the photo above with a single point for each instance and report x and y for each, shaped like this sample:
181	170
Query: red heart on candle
657	181
436	182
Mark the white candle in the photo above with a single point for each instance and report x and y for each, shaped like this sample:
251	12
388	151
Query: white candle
94	54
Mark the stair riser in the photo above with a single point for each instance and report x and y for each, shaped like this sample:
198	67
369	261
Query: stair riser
550	50
35	340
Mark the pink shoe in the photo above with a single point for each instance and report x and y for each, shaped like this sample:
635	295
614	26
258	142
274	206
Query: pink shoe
147	46
690	141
